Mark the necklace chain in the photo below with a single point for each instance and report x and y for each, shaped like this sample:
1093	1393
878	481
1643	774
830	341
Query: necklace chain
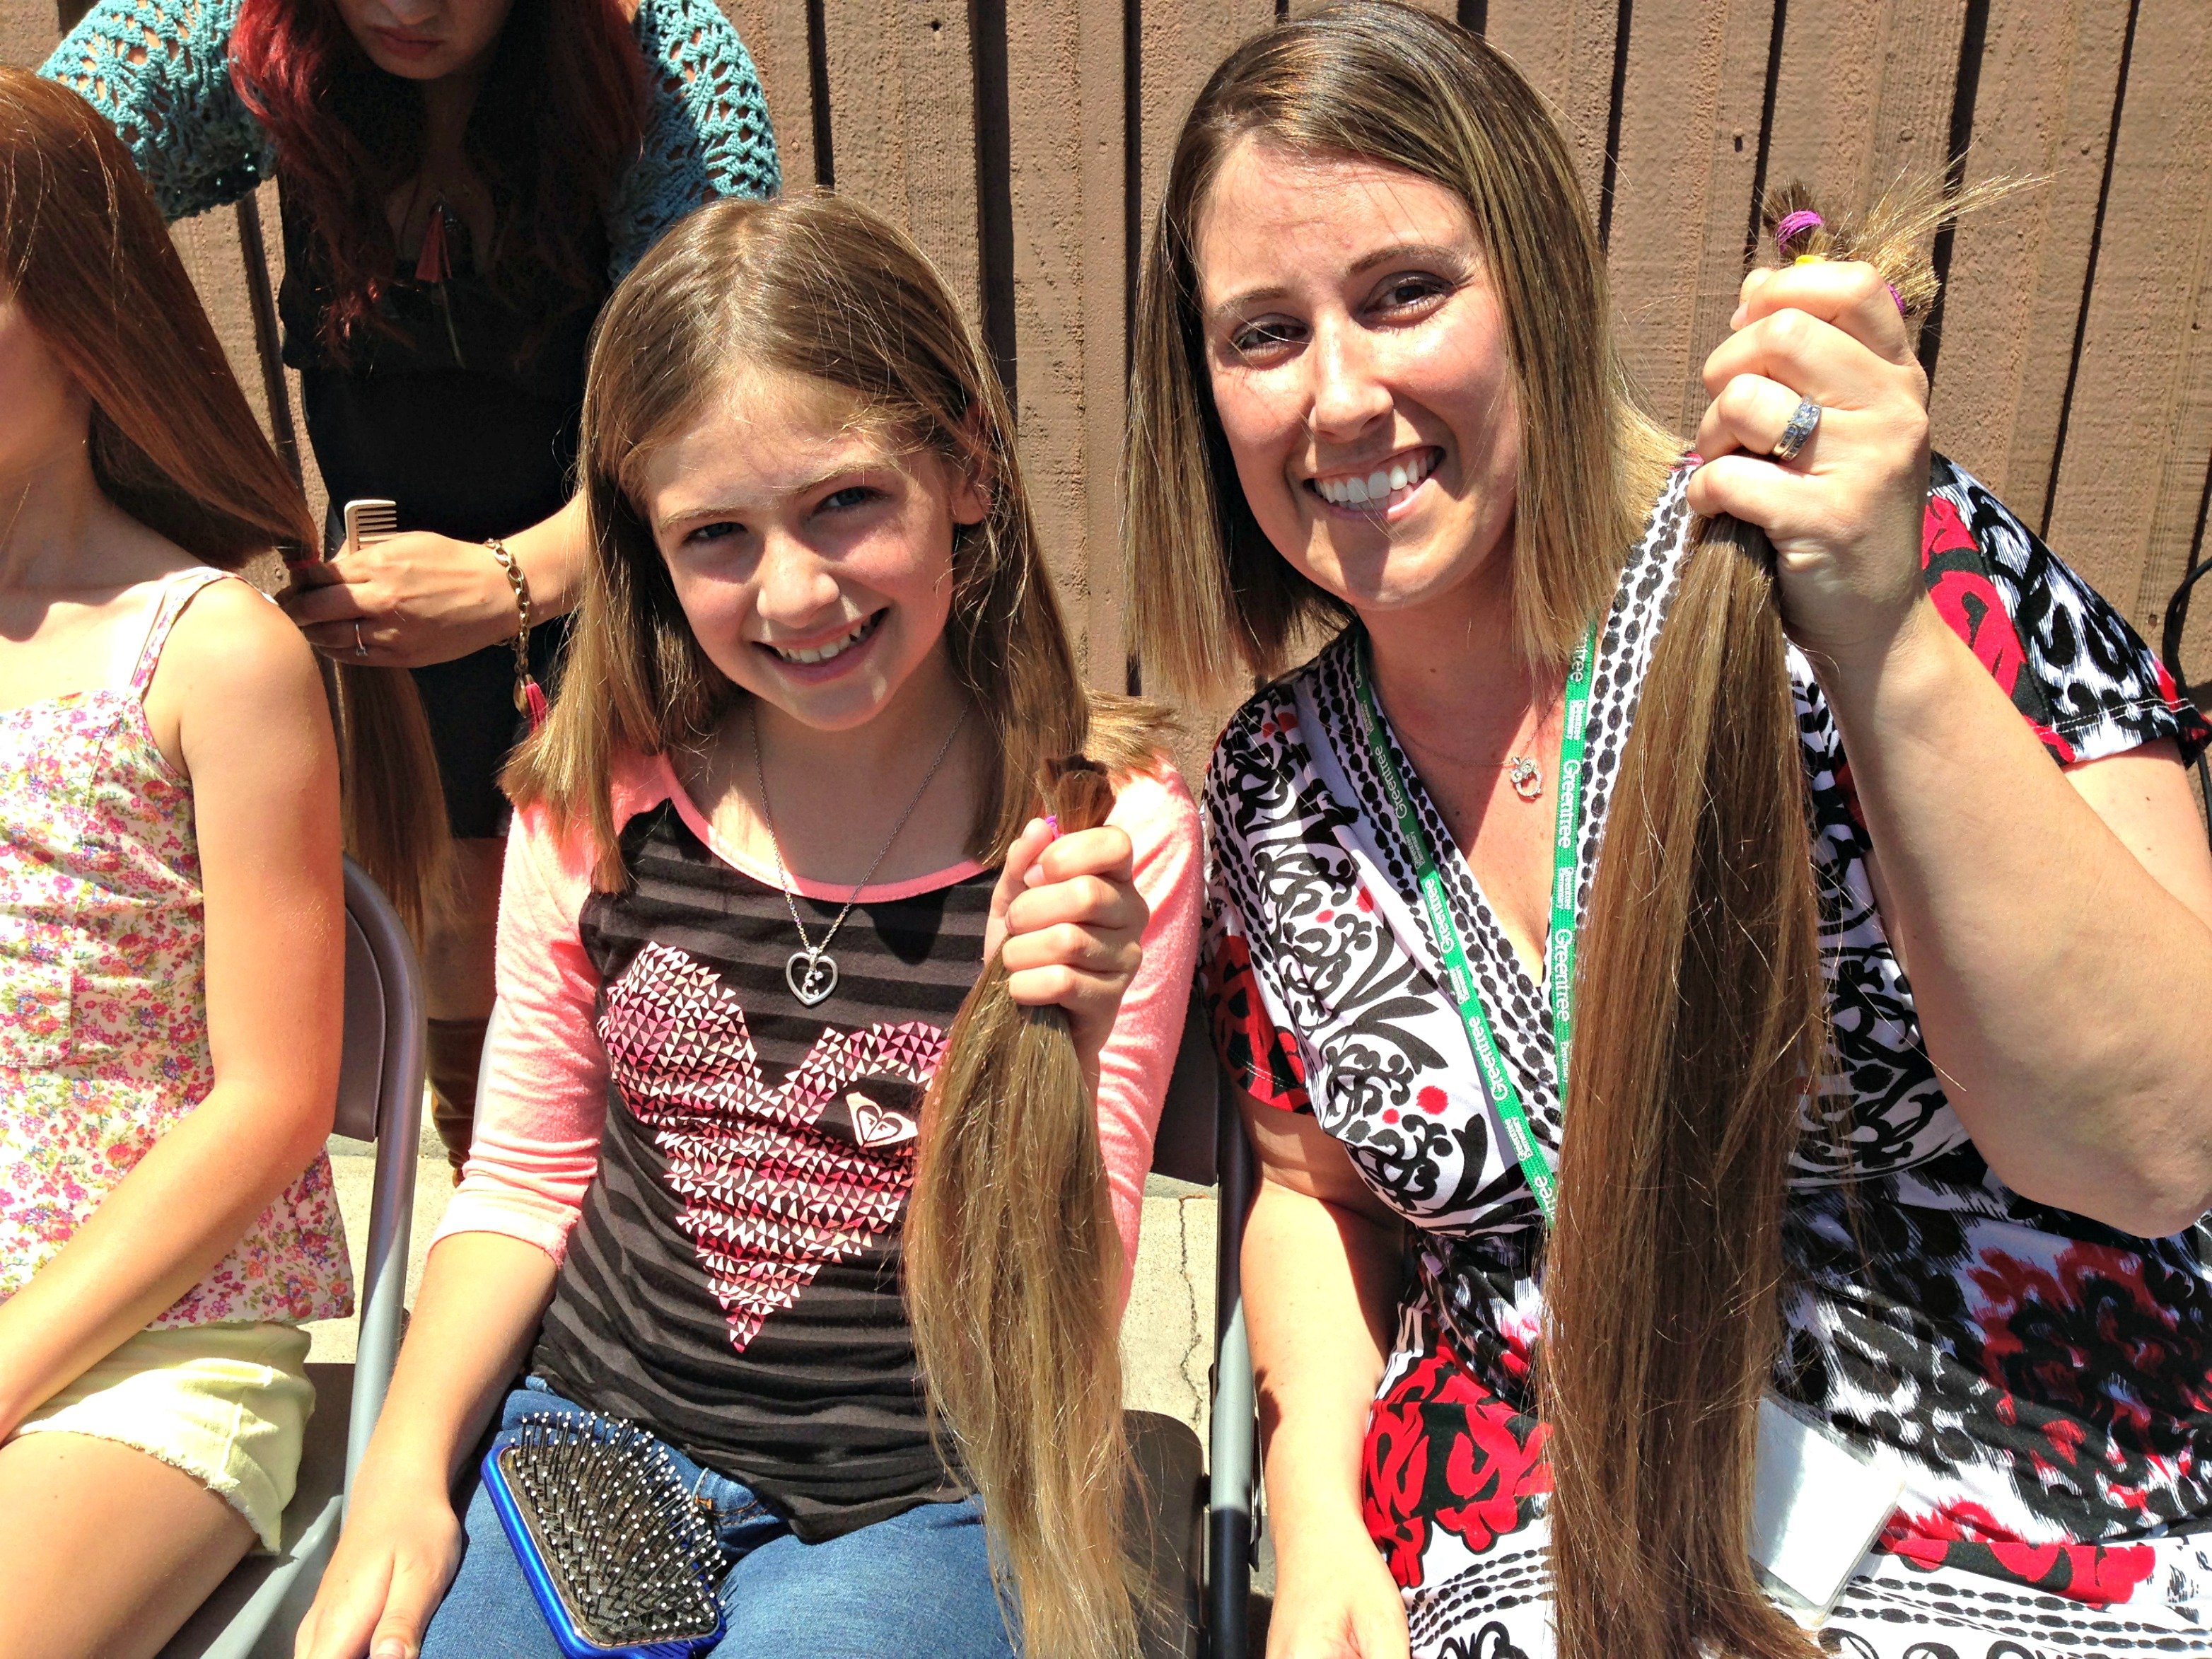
817	952
1524	772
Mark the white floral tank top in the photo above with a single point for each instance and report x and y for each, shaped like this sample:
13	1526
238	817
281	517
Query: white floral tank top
103	1013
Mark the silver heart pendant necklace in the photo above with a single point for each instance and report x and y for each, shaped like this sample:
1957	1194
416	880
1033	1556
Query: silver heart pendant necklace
810	971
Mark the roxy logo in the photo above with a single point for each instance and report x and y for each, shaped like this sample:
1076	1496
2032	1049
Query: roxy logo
877	1126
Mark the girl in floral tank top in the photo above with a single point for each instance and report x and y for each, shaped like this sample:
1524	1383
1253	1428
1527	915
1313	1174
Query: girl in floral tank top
103	1015
172	966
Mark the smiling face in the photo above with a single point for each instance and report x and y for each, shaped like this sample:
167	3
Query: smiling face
812	555
1357	357
426	39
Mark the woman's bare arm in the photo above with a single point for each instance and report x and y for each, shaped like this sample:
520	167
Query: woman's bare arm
1321	1267
2057	928
2058	933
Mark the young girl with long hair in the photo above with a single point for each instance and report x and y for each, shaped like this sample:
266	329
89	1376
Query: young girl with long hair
171	925
1563	905
462	181
784	810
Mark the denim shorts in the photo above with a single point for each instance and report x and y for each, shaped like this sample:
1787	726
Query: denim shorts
918	1584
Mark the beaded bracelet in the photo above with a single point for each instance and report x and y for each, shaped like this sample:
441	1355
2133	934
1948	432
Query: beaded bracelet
528	695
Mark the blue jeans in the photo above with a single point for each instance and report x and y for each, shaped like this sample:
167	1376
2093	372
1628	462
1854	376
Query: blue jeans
919	1583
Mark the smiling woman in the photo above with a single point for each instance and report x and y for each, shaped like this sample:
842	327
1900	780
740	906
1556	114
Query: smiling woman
1562	787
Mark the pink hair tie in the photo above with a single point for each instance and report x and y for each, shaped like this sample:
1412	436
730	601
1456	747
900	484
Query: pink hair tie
1895	296
1792	227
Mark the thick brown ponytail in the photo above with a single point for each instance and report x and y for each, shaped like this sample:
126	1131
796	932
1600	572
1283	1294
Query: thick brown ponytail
1012	1266
1700	1025
395	805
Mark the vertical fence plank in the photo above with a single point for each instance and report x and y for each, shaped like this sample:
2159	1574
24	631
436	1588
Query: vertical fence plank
1068	194
1565	48
2050	75
902	123
1448	8
1864	93
1179	46
28	30
774	31
1689	148
2139	431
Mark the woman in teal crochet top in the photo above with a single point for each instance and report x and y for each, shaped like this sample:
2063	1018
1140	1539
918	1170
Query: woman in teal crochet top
462	182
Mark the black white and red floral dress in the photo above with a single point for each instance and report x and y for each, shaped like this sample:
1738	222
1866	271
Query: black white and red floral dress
2042	1383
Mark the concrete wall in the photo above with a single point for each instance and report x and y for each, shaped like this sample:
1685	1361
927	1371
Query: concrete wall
1023	141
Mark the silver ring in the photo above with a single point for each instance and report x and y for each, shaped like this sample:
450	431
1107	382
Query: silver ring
1795	436
360	645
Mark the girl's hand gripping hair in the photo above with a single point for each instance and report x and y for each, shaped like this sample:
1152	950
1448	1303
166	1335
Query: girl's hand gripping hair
1068	918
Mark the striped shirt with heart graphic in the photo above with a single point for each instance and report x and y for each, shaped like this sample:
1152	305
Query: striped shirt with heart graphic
722	1173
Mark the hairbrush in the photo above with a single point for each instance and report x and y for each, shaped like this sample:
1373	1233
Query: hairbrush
369	520
622	1561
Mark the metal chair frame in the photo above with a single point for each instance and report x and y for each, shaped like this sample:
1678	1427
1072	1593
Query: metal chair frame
253	1614
1202	1141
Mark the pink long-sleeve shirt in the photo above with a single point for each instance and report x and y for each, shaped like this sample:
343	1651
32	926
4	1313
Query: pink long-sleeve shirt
541	1105
721	1171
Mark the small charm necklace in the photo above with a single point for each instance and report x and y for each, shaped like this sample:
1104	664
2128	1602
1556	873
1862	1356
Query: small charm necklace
811	971
1526	777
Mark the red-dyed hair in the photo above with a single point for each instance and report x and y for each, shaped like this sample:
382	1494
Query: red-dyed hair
561	114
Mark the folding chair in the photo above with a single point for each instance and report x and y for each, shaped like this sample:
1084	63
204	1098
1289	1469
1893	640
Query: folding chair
1201	1551
254	1612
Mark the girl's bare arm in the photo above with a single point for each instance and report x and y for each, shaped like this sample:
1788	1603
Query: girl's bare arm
483	1295
238	701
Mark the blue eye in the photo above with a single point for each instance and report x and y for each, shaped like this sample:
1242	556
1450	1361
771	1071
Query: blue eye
712	533
850	495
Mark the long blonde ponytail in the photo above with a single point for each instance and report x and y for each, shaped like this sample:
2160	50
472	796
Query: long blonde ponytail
1700	1028
1012	1266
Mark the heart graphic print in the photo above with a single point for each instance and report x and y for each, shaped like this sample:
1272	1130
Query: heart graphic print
776	1183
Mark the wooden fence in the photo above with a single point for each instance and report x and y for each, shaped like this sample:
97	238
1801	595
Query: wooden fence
1024	142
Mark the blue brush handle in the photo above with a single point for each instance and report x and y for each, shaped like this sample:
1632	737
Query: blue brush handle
574	1642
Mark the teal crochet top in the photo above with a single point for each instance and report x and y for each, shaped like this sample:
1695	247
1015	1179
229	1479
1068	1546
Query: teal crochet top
160	72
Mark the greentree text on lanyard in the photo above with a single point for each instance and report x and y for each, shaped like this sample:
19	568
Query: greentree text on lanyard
1560	942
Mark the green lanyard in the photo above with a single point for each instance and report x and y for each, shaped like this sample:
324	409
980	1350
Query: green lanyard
1560	942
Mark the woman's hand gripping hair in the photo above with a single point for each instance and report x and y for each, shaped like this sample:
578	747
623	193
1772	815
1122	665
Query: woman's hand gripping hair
1842	509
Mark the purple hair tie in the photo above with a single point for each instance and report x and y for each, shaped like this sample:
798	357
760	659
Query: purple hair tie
1791	226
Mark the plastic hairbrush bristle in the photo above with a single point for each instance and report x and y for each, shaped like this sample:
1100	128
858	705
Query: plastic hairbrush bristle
635	1560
